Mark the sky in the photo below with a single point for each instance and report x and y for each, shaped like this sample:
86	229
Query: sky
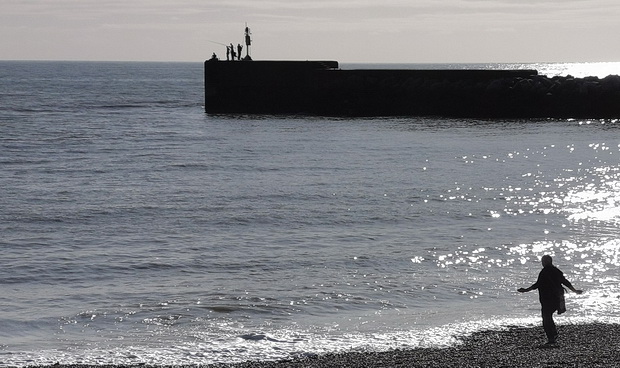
373	31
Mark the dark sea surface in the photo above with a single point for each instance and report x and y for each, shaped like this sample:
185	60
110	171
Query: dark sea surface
135	228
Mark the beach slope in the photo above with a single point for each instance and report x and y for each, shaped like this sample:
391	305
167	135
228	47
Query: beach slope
590	345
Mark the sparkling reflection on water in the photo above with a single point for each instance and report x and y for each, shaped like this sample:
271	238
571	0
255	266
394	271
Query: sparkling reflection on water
588	197
577	207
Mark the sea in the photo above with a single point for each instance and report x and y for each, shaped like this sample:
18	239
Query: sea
137	229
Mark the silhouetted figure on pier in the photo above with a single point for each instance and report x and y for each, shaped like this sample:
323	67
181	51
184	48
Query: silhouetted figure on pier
227	53
551	295
239	50
232	52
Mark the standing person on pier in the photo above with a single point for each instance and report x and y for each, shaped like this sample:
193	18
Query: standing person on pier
233	54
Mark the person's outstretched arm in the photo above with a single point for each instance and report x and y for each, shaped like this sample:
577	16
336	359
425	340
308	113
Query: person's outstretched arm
567	283
525	290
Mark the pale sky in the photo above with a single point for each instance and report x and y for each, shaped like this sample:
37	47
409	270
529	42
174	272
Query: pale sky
391	31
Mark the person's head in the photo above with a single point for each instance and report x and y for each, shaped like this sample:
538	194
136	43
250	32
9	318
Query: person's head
546	260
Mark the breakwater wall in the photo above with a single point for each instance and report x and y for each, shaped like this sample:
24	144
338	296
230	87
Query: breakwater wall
320	88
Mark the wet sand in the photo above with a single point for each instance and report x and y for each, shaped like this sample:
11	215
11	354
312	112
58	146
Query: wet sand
591	345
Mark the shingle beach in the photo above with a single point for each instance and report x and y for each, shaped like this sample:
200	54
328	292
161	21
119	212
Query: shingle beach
590	345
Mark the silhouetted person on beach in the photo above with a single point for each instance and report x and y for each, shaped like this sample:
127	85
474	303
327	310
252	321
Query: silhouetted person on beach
551	295
227	53
239	50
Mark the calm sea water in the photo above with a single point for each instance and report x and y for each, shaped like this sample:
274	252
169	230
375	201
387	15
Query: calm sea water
134	228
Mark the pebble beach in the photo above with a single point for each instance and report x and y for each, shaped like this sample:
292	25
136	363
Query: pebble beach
591	345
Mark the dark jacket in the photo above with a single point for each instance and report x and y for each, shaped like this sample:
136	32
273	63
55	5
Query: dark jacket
550	290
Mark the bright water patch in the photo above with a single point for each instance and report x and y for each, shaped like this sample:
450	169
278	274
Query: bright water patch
577	70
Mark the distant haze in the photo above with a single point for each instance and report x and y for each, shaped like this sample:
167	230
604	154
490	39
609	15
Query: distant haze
390	31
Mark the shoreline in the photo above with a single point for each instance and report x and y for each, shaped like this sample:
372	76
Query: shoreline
579	345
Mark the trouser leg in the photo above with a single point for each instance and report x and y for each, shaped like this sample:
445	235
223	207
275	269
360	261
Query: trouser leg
549	324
